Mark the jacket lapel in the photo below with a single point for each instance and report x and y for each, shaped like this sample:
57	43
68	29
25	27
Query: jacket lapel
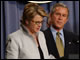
51	43
67	43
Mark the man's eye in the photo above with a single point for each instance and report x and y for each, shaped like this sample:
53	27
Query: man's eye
57	14
64	15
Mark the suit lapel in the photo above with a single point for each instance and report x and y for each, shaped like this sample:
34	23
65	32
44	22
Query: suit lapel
51	43
66	40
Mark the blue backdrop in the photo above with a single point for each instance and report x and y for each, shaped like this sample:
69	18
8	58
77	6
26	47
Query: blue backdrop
11	12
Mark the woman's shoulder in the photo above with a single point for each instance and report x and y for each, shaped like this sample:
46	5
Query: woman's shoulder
16	33
40	32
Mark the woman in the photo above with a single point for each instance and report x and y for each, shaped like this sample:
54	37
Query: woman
28	42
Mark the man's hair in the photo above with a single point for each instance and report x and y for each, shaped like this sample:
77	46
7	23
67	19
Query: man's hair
58	5
30	10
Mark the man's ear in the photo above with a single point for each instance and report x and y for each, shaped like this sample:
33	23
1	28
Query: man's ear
27	22
50	14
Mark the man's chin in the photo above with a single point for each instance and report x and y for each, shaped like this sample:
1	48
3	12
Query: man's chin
57	27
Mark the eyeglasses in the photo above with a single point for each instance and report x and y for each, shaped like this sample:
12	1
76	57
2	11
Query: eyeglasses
37	22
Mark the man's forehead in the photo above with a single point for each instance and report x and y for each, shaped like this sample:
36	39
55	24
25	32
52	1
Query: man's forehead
59	7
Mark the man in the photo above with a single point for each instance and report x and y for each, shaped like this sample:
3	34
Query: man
70	42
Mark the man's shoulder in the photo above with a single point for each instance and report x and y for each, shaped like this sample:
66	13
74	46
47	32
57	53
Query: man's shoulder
46	31
69	33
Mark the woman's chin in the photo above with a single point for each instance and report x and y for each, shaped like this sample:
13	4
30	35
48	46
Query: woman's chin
37	30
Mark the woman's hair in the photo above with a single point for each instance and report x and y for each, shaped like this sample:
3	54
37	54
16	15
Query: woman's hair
30	10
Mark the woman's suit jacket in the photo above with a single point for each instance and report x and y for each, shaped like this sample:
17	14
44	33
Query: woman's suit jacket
21	45
71	44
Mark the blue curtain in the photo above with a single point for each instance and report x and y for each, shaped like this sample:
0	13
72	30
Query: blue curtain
11	12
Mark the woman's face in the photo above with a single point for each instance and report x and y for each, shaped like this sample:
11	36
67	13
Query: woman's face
35	24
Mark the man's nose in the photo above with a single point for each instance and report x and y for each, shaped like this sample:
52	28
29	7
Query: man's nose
60	17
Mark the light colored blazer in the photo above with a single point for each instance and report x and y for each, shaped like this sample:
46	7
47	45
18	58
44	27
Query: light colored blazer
21	45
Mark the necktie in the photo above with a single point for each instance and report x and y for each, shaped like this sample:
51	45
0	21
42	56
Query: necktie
59	45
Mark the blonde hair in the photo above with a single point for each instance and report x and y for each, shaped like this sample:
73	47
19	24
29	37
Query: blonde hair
30	10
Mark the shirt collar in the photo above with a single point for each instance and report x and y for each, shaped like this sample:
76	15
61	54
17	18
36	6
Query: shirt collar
54	31
26	30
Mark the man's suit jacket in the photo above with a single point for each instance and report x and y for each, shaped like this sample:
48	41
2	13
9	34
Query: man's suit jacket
71	43
21	45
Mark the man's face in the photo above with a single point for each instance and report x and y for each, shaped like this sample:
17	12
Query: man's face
59	17
35	23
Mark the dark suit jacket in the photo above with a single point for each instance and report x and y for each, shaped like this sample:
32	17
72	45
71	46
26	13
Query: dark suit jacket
71	43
